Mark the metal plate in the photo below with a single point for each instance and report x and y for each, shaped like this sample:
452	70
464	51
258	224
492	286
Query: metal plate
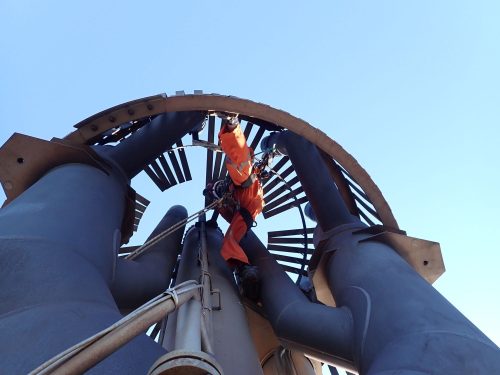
25	159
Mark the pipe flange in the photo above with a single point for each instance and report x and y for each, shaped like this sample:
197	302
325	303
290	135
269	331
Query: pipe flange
181	362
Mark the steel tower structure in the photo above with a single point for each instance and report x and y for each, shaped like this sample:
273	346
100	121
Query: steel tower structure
353	291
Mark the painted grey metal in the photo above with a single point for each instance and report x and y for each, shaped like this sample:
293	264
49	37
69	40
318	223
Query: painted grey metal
188	330
400	321
147	143
207	290
289	362
232	343
320	331
58	245
401	324
137	281
315	178
189	269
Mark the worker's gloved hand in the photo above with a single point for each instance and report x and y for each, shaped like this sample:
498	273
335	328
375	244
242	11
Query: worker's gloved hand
209	191
230	119
216	190
248	279
264	175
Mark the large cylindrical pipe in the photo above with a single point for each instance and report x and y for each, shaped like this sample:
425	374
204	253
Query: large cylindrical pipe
147	143
58	244
317	182
137	281
232	344
321	331
401	323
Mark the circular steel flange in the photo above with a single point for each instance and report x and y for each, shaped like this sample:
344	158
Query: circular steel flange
180	362
90	128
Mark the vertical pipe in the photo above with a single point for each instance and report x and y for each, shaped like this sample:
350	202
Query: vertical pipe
188	330
316	180
400	322
187	324
231	342
137	281
206	297
58	244
233	345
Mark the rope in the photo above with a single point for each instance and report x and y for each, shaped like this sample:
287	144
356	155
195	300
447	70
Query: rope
172	229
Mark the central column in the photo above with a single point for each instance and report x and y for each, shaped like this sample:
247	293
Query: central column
228	331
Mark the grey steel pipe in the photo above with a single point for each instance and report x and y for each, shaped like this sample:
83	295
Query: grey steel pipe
316	180
58	245
144	146
188	330
317	330
401	324
110	342
206	296
137	281
233	345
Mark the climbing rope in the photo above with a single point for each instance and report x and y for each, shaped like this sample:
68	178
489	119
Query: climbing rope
148	244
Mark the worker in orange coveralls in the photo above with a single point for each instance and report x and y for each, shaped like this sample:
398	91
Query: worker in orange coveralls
246	190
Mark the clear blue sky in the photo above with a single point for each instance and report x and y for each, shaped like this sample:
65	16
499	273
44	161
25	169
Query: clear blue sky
410	88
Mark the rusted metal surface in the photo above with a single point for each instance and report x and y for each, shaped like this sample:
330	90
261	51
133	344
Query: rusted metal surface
25	159
424	256
186	363
262	333
89	129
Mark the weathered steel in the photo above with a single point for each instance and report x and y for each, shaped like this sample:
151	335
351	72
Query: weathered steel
300	250
278	179
176	166
168	171
25	159
289	232
285	207
182	362
184	162
276	168
89	129
279	201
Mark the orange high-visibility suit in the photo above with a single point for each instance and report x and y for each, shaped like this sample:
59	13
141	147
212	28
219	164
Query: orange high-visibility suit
239	166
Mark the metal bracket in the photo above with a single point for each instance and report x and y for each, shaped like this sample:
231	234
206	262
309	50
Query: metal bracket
25	159
219	306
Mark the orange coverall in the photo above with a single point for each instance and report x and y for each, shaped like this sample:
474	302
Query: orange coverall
239	166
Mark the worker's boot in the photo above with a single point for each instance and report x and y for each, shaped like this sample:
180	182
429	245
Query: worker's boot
248	281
